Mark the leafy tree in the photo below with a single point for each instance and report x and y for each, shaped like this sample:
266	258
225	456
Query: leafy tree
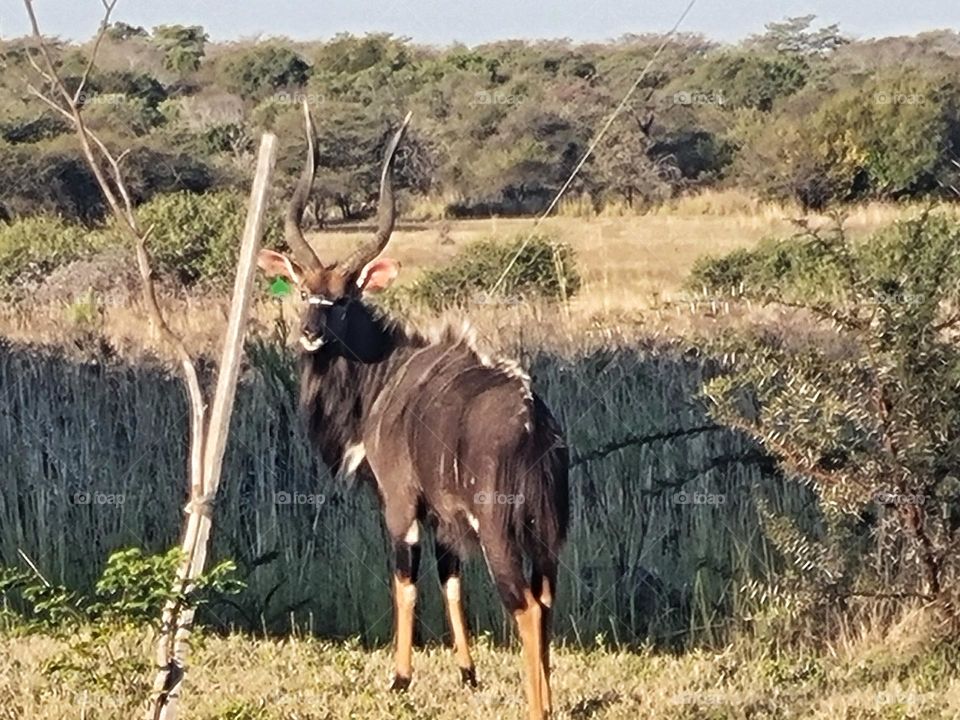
749	80
794	36
350	55
869	414
184	46
626	165
120	31
888	138
262	70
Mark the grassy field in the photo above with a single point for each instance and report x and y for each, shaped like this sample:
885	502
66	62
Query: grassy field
900	674
632	301
633	269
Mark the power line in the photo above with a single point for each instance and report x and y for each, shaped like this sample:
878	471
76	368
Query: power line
594	143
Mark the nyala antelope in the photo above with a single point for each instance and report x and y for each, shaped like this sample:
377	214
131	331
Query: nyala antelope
451	439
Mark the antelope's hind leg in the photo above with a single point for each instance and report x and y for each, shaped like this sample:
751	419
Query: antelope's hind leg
406	568
506	567
544	583
448	570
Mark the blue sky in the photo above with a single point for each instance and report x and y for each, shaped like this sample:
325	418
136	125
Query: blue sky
439	22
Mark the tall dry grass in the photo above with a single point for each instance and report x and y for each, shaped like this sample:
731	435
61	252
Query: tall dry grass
645	558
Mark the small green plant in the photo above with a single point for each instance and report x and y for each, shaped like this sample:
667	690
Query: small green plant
86	312
543	268
104	644
132	590
810	264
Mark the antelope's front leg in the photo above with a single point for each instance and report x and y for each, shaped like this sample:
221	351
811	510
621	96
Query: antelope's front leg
407	565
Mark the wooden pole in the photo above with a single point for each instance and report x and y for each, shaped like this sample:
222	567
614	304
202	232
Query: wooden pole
173	644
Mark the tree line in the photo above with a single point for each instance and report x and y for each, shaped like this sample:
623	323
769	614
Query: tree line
799	112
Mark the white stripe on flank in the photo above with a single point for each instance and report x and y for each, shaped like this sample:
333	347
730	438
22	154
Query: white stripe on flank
352	457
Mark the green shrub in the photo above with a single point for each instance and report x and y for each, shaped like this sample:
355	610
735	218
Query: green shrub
810	265
543	268
132	84
31	247
197	237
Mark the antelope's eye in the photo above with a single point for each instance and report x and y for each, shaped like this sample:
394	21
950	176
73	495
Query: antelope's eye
303	294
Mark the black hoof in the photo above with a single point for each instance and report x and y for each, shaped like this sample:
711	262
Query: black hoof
468	677
399	684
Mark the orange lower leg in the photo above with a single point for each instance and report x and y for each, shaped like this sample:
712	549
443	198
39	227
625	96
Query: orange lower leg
546	602
458	627
405	601
529	626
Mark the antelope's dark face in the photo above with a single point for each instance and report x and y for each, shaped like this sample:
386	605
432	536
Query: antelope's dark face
334	317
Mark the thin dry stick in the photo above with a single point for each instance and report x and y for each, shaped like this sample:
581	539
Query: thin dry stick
178	616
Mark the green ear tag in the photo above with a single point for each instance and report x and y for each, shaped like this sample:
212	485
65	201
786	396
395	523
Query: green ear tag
280	287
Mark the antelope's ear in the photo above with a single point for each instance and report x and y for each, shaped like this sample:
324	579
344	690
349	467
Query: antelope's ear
378	275
276	264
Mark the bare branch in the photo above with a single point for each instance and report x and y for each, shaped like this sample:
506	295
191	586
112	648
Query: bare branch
36	93
51	73
121	207
108	6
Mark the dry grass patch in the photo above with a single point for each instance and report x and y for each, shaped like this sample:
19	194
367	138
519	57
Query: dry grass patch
305	679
